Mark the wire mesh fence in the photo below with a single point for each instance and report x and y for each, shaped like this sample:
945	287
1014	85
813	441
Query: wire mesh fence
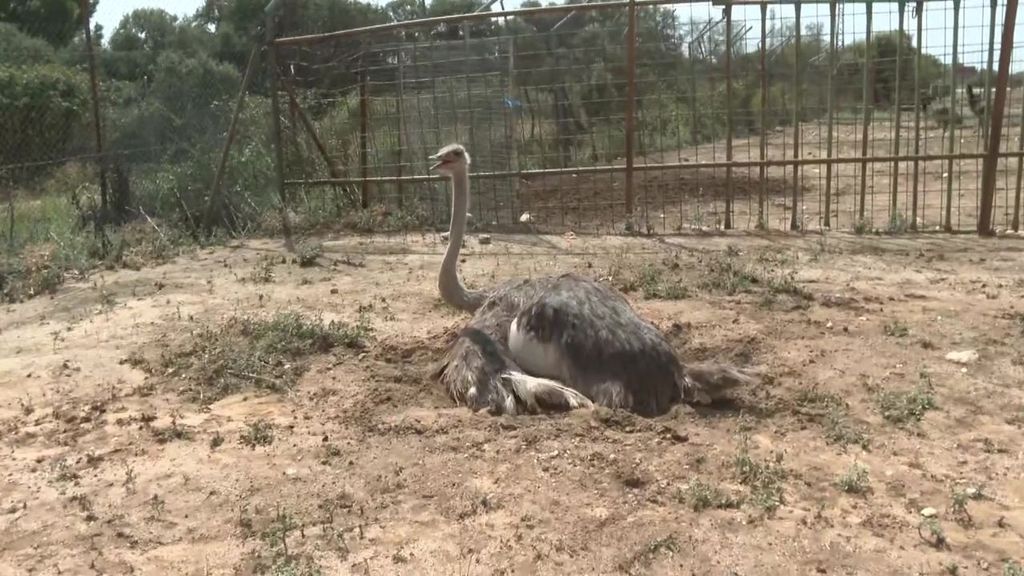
613	117
662	117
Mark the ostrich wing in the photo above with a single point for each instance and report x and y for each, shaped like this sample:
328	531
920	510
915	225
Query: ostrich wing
478	370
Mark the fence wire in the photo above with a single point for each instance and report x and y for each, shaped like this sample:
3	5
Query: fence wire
863	116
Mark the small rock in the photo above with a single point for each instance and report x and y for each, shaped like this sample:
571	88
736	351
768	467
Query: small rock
828	324
929	512
291	472
484	239
972	492
525	218
963	356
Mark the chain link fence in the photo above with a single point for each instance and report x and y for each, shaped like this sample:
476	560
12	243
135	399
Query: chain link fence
613	117
664	117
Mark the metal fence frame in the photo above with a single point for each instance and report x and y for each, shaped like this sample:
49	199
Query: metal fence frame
995	98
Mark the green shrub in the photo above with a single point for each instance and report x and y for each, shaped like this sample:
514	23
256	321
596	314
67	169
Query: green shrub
40	108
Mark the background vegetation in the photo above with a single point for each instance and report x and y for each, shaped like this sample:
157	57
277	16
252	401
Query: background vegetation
168	85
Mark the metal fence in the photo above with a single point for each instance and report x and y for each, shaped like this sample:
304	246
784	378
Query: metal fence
654	116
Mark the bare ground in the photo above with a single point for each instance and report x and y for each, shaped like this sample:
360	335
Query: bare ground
372	471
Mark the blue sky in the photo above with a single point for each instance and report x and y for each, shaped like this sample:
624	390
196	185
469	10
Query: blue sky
938	22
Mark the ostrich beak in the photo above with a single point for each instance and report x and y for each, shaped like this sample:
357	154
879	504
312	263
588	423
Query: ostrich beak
436	159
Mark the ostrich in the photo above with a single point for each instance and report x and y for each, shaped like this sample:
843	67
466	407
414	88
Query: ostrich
943	114
977	106
559	342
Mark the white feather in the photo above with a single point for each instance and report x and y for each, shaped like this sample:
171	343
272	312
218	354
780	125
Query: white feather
532	390
543	359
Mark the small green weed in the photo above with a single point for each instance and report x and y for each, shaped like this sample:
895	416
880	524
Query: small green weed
855	480
700	496
1012	568
764	478
262	353
897	329
257	433
904	407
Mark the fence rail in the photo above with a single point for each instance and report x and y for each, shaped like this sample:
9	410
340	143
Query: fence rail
666	115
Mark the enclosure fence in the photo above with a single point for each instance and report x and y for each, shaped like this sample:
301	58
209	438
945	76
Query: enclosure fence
657	116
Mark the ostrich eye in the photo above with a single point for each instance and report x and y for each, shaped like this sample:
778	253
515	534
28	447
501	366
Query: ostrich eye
457	153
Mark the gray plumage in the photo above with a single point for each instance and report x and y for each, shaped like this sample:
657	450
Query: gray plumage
558	342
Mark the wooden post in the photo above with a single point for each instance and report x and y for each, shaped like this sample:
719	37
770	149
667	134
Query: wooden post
833	41
902	7
364	127
275	118
991	162
630	105
99	221
948	222
232	130
868	104
794	221
919	14
762	222
728	116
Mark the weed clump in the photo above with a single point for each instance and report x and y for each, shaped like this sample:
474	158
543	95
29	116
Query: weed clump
268	354
764	478
907	406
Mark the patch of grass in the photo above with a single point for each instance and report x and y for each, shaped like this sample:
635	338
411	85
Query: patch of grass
257	433
897	329
1012	568
638	562
654	281
764	478
840	431
855	480
931	532
307	253
700	496
259	353
767	272
282	561
216	441
829	409
52	243
908	406
172	432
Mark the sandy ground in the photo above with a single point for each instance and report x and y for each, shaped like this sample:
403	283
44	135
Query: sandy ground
373	471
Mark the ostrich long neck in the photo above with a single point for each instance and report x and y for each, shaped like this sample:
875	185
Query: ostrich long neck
452	290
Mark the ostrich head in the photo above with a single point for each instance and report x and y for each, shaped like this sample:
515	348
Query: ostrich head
450	160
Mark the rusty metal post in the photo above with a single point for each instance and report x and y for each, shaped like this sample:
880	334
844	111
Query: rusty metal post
762	221
991	162
994	5
275	116
832	46
898	121
728	116
232	130
868	104
693	95
919	14
1020	168
364	128
948	221
400	112
97	121
630	105
794	222
311	131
